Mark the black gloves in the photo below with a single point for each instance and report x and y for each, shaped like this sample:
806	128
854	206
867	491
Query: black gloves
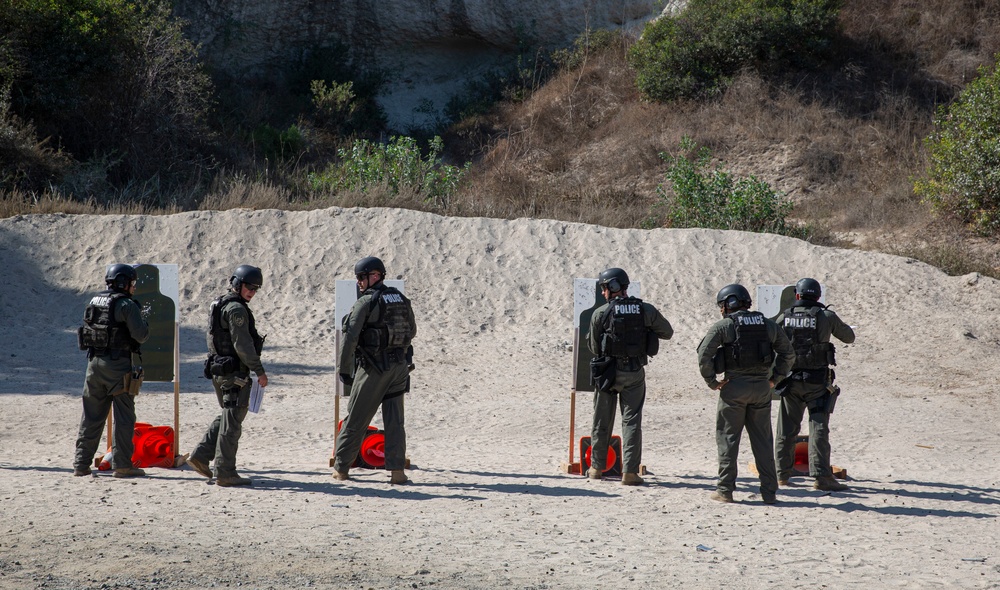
347	380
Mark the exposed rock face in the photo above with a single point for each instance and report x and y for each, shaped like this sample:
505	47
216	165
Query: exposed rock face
431	47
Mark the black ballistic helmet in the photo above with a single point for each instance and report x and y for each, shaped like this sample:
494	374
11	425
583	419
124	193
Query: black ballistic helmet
246	275
808	289
733	297
120	276
369	264
615	279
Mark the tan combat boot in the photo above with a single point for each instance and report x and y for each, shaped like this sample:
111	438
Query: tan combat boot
398	477
828	483
199	466
720	496
631	479
341	475
233	481
593	473
129	472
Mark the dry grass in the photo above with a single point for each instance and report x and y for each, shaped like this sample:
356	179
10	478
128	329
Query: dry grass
19	202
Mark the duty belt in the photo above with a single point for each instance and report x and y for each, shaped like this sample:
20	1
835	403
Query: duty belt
627	363
809	375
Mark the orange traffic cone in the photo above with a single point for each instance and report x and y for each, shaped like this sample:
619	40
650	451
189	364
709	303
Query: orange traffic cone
154	446
372	454
613	465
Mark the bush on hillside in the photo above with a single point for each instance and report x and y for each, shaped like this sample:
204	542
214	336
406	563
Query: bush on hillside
26	163
395	167
108	80
590	42
963	178
697	52
718	199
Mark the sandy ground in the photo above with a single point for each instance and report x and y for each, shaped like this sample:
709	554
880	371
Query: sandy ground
916	428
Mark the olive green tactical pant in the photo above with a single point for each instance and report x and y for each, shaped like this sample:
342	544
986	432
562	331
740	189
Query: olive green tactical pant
367	395
630	391
745	402
105	377
794	404
222	439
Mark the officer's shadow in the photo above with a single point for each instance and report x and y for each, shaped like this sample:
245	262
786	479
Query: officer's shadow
802	494
374	484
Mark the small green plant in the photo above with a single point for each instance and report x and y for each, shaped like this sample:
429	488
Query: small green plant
697	52
963	178
395	166
333	101
717	199
278	145
586	44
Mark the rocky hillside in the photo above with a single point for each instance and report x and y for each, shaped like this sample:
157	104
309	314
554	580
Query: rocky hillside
431	48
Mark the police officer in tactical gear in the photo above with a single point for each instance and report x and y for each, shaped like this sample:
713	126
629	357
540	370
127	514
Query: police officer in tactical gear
234	347
809	325
113	328
751	351
373	363
625	329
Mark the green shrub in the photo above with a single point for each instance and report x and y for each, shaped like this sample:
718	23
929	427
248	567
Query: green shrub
25	162
338	93
963	178
279	146
395	166
586	44
111	80
717	199
696	53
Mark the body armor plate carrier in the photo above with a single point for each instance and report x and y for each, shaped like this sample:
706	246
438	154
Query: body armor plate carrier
222	340
393	330
100	333
801	327
625	332
751	351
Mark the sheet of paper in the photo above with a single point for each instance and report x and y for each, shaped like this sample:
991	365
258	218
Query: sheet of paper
256	394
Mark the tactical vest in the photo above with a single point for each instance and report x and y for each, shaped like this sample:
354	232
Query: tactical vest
625	332
801	325
222	340
751	352
393	329
100	333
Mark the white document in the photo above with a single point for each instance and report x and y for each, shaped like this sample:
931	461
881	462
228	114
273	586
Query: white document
256	394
